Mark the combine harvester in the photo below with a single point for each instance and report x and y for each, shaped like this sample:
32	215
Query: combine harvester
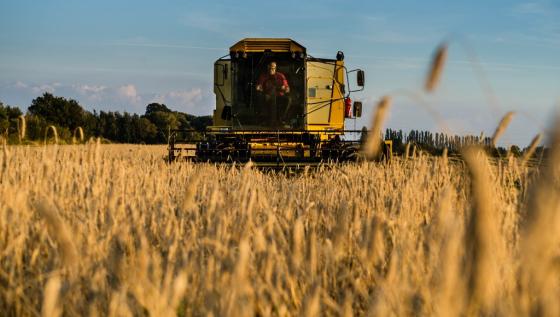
278	107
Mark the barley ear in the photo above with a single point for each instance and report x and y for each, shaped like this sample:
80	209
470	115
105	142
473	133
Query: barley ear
22	127
407	150
531	149
373	142
80	132
436	68
58	230
55	133
51	306
502	127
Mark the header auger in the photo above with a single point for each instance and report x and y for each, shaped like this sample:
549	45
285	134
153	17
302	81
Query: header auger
277	106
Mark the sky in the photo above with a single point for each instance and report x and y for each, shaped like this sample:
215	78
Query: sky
122	55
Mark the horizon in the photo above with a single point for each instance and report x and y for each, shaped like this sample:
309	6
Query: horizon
122	56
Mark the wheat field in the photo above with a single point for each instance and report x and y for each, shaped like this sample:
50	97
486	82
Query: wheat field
112	230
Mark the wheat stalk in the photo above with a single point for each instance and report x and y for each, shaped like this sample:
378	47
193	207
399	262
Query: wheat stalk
482	240
540	237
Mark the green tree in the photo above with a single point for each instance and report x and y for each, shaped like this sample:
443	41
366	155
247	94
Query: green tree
163	118
58	111
4	119
36	126
156	107
146	131
515	150
9	119
200	123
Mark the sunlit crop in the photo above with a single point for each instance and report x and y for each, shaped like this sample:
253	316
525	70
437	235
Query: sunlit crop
113	230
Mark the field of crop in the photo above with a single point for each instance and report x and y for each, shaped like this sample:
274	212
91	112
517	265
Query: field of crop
112	230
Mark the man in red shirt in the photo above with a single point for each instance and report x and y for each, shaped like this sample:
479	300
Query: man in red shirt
273	82
274	86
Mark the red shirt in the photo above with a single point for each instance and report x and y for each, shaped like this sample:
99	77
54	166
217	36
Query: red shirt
268	83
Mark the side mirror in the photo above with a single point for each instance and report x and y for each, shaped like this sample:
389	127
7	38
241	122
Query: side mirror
226	113
357	109
361	78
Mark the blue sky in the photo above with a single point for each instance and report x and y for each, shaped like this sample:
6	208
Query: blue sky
121	55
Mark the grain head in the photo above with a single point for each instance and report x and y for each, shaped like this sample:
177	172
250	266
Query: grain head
436	68
501	128
372	146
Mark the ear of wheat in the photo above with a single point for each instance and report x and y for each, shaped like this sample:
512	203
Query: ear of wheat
80	133
501	128
436	68
22	127
373	142
59	230
54	133
531	149
51	304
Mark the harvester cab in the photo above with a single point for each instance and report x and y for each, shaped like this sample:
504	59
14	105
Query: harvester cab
276	106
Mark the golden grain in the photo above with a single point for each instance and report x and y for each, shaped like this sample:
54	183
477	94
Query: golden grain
54	133
372	146
531	149
129	234
541	238
51	306
22	127
436	68
60	232
502	126
482	238
80	133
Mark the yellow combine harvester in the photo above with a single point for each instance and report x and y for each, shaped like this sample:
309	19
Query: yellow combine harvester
277	106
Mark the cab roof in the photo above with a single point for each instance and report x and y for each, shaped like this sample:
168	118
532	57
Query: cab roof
258	45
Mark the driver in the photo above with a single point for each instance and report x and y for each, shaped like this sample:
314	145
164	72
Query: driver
274	88
273	83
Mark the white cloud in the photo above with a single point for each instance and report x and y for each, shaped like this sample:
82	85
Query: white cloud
43	88
182	98
129	93
20	85
93	93
110	98
87	89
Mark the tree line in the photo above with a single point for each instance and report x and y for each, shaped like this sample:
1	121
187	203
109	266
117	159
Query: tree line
435	143
152	127
68	116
